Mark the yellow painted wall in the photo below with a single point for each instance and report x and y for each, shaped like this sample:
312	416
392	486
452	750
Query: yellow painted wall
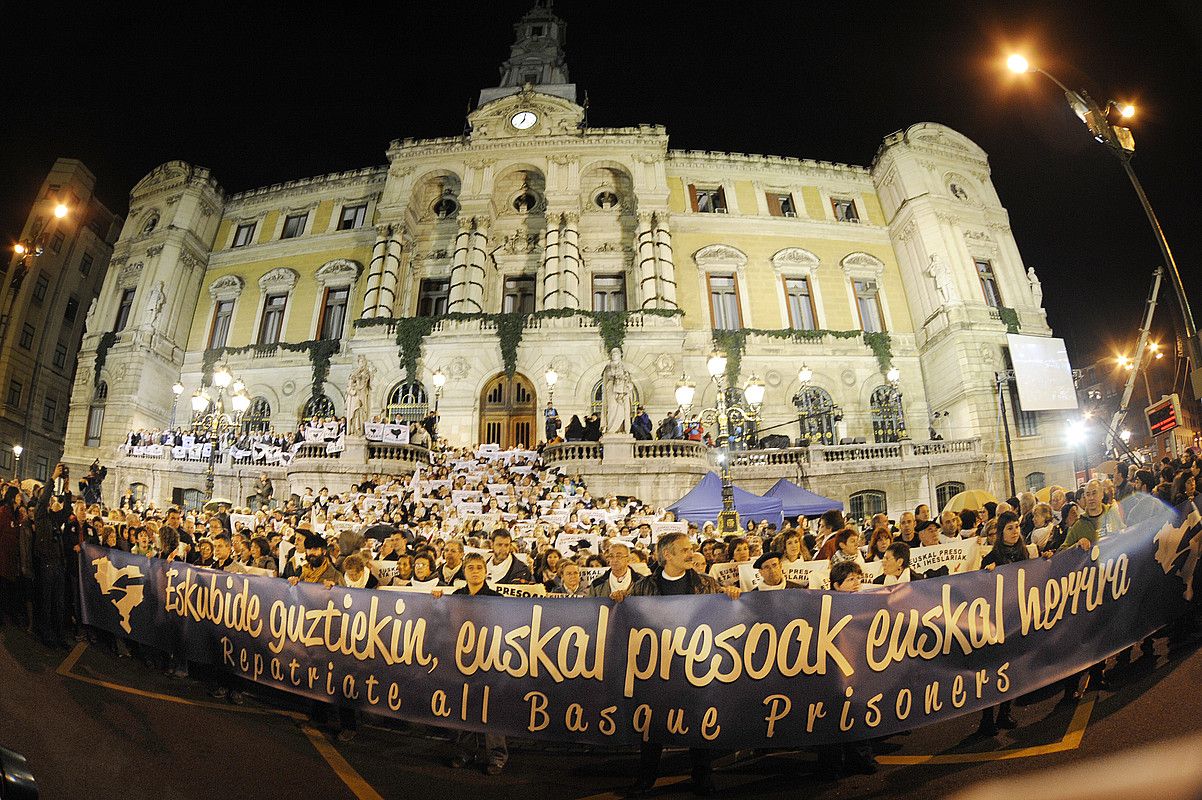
813	201
678	197
761	287
303	312
745	196
267	227
872	207
321	216
223	234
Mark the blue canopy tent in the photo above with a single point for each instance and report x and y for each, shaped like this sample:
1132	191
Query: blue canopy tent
799	502
704	501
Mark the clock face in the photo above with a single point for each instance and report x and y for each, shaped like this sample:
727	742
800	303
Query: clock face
523	120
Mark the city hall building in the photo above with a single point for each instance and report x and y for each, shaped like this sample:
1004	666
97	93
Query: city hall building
535	242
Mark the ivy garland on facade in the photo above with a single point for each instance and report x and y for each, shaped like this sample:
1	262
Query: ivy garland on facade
320	352
734	342
1009	317
107	340
412	331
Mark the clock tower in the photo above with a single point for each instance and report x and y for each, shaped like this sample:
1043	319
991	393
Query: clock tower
536	58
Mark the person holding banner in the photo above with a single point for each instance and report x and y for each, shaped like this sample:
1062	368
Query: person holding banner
895	565
1009	549
675	576
616	581
505	567
489	747
569	582
317	568
772	576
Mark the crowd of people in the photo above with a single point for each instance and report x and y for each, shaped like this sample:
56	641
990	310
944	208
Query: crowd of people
481	521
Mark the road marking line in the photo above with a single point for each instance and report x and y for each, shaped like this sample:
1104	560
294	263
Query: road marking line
342	768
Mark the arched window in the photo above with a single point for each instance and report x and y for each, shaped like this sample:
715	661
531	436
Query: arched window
151	223
257	418
1036	481
193	499
945	492
863	505
598	392
318	407
139	491
96	415
817	414
408	401
888	419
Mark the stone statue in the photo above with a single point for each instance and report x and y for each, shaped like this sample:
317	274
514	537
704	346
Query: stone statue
154	304
1036	287
91	317
358	394
943	279
617	386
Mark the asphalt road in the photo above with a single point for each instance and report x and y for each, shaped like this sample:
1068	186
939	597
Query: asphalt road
94	725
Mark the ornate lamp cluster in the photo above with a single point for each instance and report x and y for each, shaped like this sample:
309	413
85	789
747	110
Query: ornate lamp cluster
210	416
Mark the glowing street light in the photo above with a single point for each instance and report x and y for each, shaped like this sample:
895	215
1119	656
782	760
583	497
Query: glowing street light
1018	64
685	390
805	375
60	210
716	364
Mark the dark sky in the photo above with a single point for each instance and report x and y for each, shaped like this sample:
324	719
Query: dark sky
273	91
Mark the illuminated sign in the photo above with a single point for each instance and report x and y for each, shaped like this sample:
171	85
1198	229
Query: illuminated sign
1164	416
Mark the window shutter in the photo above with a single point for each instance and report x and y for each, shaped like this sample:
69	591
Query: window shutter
693	196
721	198
774	205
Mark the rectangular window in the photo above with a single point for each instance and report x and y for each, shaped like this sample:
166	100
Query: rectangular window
124	309
294	225
780	204
95	424
353	217
56	242
868	303
333	313
609	293
71	310
432	297
273	318
39	288
223	316
244	234
845	210
60	355
989	288
14	393
41	469
49	411
27	332
724	302
85	264
801	304
707	199
6	458
519	296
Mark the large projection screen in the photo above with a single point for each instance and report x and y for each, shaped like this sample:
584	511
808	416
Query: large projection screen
1042	372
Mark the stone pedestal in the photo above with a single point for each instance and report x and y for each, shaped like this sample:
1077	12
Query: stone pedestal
355	451
617	449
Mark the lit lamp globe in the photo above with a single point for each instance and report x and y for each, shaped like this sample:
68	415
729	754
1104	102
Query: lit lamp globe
177	388
805	374
240	403
893	375
60	211
685	389
238	386
440	379
754	390
716	363
18	450
552	376
222	377
199	401
1017	63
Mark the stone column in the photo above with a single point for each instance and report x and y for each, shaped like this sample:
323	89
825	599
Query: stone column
644	268
389	277
371	298
476	260
665	265
458	290
551	263
569	259
407	283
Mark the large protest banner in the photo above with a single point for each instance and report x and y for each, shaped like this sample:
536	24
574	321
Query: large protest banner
770	669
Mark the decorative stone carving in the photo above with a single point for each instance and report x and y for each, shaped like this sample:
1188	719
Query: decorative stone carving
848	377
130	274
154	250
862	264
795	258
288	389
1036	287
944	281
190	261
226	288
617	392
665	365
339	272
458	367
720	255
280	278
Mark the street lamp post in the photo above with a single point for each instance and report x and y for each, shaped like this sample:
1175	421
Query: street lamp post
723	416
552	377
177	389
216	422
440	380
1121	144
17	451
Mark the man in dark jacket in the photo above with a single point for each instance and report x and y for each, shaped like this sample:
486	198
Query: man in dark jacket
504	566
49	562
491	747
675	576
641	427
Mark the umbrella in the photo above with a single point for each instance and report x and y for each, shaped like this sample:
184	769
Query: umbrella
217	501
969	499
380	531
1044	495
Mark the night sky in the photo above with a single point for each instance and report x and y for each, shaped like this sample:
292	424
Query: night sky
276	91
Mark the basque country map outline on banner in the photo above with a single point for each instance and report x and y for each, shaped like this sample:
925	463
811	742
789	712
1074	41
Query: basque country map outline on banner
769	669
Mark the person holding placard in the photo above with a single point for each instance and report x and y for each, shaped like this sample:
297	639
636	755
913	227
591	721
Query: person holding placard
772	576
616	581
492	748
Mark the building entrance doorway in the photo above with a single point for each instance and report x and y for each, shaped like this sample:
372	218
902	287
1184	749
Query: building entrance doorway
507	409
